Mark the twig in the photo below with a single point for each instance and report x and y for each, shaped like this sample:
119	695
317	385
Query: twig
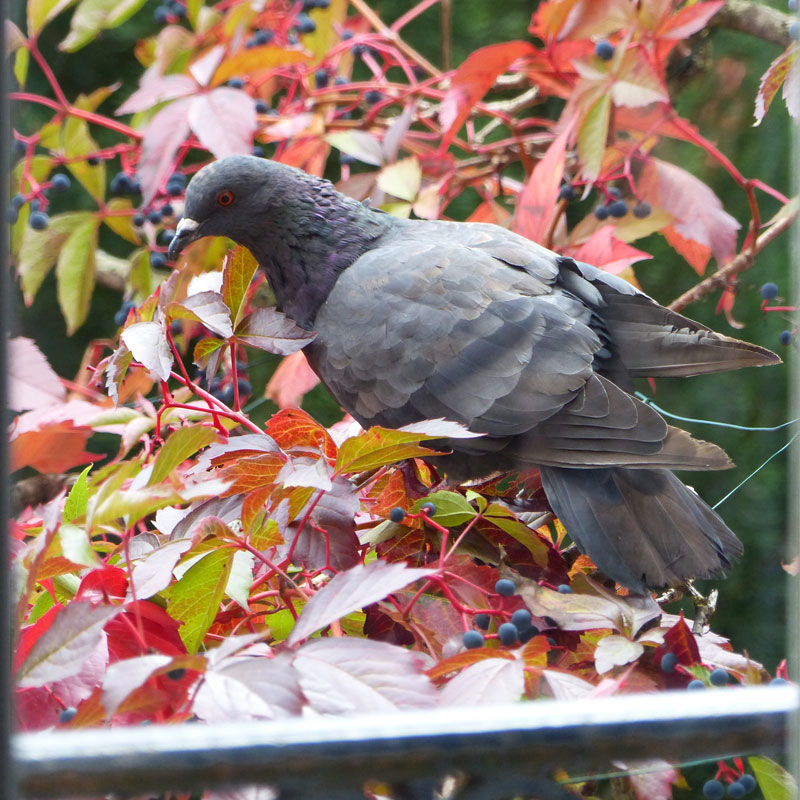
742	262
756	19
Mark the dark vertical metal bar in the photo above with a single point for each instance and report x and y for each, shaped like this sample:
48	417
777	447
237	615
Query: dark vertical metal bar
7	779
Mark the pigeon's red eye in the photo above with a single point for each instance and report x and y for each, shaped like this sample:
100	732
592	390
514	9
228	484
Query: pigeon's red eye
225	198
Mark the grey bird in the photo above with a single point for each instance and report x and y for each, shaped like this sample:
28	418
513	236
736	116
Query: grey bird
424	319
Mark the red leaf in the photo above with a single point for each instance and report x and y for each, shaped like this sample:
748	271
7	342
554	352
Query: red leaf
292	428
31	634
350	591
160	141
32	383
291	381
688	20
54	448
537	201
680	640
602	250
159	631
224	120
102	585
472	80
777	72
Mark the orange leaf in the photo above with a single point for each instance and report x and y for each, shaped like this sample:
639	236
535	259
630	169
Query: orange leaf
252	473
695	253
292	428
53	448
772	80
255	61
472	80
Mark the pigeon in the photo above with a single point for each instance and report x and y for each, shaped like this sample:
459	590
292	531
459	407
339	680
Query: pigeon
535	351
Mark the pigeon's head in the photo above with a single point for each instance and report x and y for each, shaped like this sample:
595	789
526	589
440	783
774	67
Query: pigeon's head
228	197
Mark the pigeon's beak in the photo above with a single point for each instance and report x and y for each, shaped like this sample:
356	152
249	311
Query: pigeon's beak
185	233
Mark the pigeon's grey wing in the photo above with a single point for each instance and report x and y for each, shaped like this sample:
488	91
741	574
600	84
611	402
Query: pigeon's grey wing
424	328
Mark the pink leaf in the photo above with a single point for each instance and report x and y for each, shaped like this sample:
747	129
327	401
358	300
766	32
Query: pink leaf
537	201
160	141
349	591
566	686
204	68
224	120
652	779
270	330
63	648
247	688
486	683
699	214
156	90
689	20
148	343
349	675
32	383
154	572
291	381
602	250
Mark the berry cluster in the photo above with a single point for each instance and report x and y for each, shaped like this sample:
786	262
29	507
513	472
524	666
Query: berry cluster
38	219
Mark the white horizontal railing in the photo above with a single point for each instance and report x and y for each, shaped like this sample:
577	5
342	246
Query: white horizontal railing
502	749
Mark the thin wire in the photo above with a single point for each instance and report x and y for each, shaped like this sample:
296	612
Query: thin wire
660	410
756	471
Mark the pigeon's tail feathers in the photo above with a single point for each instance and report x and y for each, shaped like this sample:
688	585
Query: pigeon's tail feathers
643	528
652	341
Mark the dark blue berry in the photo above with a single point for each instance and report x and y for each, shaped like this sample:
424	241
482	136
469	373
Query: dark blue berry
551	641
614	191
67	715
749	783
736	790
60	182
17	201
93	161
236	83
472	639
779	682
786	337
340	81
564	588
227	396
604	50
713	790
373	96
244	387
12	215
346	158
165	237
177	179
718	677
507	634
154	216
176	674
642	210
347	35
521	619
770	290
397	514
264	36
20	148
601	211
158	260
304	24
668	662
161	15
36	205
567	192
619	208
695	684
258	151
321	78
482	621
38	220
175	327
358	49
261	107
429	509
528	634
138	220
122	314
120	184
505	587
167	210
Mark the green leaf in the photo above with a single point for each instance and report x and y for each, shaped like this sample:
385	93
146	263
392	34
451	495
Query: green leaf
451	508
122	226
78	497
40	12
75	271
401	179
78	142
205	348
194	600
183	443
592	136
267	535
241	578
506	521
93	16
76	545
135	504
378	447
39	250
208	308
21	61
140	273
773	780
236	277
192	10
